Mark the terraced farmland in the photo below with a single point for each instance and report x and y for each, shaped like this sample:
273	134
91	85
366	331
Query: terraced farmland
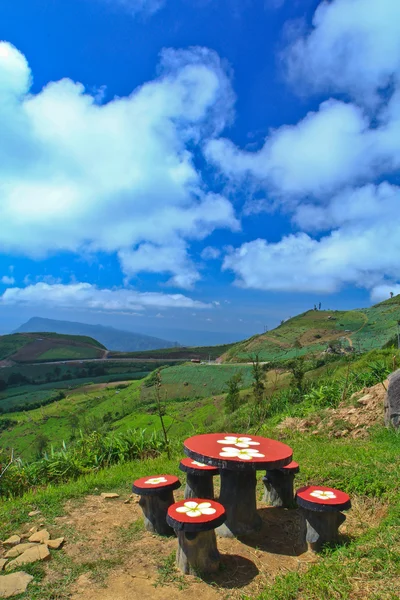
201	380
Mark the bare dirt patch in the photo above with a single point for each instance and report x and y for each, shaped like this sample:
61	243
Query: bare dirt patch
324	335
353	421
139	565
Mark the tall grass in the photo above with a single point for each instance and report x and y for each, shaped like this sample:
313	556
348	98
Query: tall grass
89	453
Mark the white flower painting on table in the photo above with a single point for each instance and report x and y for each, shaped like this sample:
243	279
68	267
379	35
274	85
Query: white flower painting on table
323	495
241	453
156	480
196	509
198	464
239	442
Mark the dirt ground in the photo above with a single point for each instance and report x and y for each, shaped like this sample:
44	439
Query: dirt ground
353	421
122	561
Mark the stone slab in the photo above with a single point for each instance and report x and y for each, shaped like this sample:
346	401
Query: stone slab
35	554
55	544
40	536
17	550
14	584
13	540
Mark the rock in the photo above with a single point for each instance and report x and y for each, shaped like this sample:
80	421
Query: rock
2	563
392	401
55	544
12	540
17	550
33	530
365	399
33	513
34	554
109	496
14	584
40	536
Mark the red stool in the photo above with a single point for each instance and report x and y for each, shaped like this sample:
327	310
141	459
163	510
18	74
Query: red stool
279	486
199	479
321	507
194	522
156	496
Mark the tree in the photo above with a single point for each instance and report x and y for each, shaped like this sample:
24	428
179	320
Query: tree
41	443
297	367
232	398
258	383
161	409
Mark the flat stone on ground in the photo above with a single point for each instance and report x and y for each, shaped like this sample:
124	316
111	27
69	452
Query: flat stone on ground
41	536
33	513
109	496
17	550
34	554
13	540
2	563
14	584
55	544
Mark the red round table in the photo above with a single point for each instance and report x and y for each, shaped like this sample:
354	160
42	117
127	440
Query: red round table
238	456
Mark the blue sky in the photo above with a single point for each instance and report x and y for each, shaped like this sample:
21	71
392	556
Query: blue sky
197	165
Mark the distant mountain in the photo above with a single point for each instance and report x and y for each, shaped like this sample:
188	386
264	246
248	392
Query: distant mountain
112	339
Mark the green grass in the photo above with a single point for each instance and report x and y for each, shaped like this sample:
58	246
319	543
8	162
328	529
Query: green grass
69	353
310	333
364	468
10	344
201	380
123	409
29	347
182	353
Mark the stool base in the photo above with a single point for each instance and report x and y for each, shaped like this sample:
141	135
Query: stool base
197	552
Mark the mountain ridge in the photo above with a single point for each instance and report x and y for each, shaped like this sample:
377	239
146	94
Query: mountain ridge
112	338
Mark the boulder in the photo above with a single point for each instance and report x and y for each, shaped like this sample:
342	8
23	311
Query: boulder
14	584
55	544
34	554
17	550
392	401
13	540
40	536
3	561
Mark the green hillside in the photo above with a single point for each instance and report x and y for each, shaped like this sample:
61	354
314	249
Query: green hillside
42	346
187	353
311	332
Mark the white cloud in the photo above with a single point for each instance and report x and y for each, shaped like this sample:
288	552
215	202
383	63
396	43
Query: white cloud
133	7
82	177
325	150
90	297
210	253
311	170
157	259
7	280
382	292
353	47
363	249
